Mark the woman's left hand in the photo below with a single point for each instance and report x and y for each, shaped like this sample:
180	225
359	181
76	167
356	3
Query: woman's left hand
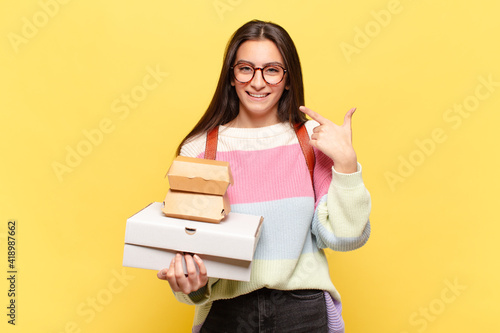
334	141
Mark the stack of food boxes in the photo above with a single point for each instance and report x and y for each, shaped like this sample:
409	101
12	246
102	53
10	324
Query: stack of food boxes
197	195
198	189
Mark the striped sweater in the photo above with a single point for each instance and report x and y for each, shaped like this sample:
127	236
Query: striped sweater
271	179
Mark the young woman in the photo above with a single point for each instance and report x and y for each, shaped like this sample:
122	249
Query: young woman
258	101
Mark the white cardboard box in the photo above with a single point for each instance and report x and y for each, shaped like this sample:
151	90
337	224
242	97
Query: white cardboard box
152	239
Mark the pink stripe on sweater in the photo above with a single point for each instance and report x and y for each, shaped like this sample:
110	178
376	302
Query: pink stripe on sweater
322	174
278	173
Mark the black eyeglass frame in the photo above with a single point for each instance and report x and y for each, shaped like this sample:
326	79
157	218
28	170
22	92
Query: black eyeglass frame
261	71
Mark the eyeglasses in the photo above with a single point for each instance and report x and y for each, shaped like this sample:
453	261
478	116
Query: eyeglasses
272	74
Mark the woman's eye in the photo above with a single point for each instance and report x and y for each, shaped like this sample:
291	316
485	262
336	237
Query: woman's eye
245	69
272	70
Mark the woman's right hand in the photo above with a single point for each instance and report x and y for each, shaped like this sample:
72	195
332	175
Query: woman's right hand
186	283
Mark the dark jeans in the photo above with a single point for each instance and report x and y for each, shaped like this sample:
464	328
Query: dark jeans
267	311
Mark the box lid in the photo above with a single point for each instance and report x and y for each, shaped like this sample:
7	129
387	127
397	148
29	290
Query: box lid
196	206
199	175
235	237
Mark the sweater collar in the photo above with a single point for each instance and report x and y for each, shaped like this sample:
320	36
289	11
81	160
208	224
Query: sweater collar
256	132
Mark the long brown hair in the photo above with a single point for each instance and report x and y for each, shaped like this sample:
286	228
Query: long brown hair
224	106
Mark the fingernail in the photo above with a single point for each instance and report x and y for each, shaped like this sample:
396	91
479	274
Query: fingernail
196	256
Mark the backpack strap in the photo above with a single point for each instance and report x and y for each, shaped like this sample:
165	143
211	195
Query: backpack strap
211	145
302	136
307	149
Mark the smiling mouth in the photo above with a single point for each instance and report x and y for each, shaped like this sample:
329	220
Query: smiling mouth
257	95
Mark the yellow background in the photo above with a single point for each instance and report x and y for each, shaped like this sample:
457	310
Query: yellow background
435	226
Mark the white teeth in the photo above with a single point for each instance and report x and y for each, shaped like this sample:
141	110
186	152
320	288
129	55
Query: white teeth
253	95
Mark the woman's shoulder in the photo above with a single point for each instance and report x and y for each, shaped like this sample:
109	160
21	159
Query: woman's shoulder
194	146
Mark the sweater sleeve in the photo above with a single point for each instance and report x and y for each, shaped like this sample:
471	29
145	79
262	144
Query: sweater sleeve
199	297
341	219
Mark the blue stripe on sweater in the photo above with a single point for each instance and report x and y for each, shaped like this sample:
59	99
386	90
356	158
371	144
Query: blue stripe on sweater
283	235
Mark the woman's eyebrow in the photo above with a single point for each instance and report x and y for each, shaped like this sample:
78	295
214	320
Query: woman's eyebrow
251	63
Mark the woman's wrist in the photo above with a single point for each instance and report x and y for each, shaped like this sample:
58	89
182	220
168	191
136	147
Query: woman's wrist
347	165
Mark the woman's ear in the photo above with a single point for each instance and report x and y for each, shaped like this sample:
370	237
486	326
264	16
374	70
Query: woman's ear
232	82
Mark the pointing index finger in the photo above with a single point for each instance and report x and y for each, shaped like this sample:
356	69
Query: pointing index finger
314	115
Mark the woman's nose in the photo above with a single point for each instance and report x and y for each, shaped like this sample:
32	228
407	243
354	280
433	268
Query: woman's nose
258	81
